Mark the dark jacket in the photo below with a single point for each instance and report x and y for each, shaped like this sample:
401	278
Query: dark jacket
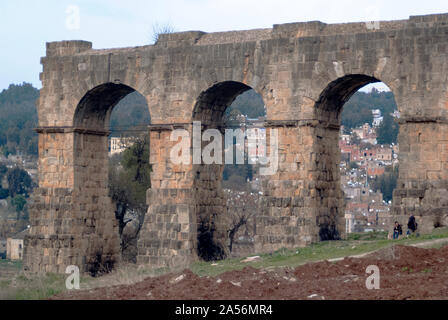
412	224
398	229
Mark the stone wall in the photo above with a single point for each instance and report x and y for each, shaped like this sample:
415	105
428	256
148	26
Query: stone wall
422	187
305	72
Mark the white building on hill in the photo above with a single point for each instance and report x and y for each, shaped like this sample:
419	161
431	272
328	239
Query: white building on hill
377	118
119	144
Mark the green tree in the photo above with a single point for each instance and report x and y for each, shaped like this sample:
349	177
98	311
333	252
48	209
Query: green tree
19	182
353	165
19	203
386	183
387	132
358	110
355	139
18	118
136	162
4	193
129	179
130	114
249	103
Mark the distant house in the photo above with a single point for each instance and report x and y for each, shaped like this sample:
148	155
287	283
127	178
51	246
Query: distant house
361	132
14	245
355	154
345	138
384	154
374	171
366	134
256	143
349	222
377	118
368	154
118	145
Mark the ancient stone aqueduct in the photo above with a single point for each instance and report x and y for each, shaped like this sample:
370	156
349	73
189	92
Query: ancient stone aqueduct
305	72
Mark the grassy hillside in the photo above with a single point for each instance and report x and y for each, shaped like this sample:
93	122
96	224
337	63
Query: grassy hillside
19	285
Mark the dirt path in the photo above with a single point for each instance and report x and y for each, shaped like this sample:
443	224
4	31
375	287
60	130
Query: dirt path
430	243
405	273
423	244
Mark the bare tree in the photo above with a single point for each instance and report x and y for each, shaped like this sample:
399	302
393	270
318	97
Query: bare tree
242	207
158	29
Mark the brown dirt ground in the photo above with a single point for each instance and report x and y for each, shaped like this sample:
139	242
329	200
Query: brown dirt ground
406	273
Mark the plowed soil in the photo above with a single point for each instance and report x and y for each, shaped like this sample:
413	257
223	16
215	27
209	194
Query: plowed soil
405	273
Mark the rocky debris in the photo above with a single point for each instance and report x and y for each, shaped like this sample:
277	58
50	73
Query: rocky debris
251	259
411	273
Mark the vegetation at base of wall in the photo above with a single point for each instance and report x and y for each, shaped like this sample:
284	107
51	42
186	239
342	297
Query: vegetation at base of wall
375	235
31	287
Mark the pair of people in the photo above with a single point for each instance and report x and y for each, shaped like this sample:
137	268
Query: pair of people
412	228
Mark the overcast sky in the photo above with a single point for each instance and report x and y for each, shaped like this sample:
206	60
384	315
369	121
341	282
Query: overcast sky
25	26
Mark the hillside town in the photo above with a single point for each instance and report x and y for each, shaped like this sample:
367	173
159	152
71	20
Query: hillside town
363	163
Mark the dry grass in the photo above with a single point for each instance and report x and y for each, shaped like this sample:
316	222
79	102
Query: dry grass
16	284
125	274
31	287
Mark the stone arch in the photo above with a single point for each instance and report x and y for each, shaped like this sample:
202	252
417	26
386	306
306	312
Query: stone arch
91	129
210	202
212	102
339	91
328	110
95	107
96	212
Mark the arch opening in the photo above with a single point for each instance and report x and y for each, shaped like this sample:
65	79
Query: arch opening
112	172
358	156
226	204
94	110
